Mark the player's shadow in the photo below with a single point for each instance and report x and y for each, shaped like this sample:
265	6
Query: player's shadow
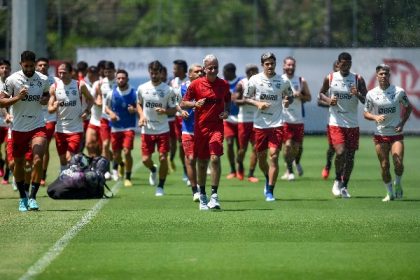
247	209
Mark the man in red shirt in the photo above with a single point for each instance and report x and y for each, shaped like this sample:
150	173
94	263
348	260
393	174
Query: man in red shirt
210	96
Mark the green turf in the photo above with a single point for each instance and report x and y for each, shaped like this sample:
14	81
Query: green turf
305	234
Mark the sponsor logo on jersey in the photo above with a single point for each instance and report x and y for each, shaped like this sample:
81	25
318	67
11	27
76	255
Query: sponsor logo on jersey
269	97
31	98
386	110
152	105
68	103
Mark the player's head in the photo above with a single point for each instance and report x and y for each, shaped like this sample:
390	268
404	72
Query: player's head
65	71
268	62
211	66
122	78
383	67
229	71
27	63
195	71
5	68
82	68
155	69
109	70
42	65
101	67
289	65
344	62
251	70
383	74
180	68
92	73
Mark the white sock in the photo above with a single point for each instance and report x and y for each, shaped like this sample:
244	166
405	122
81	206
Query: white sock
397	180
388	187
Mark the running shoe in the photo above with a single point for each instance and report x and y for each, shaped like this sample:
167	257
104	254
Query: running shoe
240	175
152	177
336	189
115	175
269	197
388	197
203	202
33	205
23	204
398	191
159	191
299	169
253	179
214	202
325	173
196	197
345	193
231	175
128	183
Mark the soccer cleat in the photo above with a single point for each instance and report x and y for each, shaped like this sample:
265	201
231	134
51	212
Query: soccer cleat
23	204
107	175
152	177
285	175
388	197
114	175
253	179
299	169
231	175
398	191
240	175
291	177
127	183
336	189
33	205
196	197
159	191
269	197
4	182
214	202
325	173
203	202
345	193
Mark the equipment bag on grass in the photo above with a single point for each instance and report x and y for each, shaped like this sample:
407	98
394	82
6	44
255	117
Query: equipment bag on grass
83	179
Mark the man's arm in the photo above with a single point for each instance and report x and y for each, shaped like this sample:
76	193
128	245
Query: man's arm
52	103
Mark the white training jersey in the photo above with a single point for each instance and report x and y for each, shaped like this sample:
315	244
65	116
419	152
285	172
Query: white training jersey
294	114
27	112
386	102
246	111
344	114
69	107
95	111
271	90
49	117
175	84
106	87
151	97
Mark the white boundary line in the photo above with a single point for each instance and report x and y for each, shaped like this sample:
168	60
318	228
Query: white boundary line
42	263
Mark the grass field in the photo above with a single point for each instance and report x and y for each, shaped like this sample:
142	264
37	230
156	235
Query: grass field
305	234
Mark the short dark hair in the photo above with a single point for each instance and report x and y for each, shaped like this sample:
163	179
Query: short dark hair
267	55
123	72
68	66
93	69
101	64
27	56
82	66
109	65
182	63
229	67
344	56
384	67
4	62
155	65
43	59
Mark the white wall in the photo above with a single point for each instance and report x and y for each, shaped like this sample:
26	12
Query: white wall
313	64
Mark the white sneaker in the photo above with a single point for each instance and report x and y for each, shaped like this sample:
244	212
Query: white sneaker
107	175
388	197
345	193
285	175
203	202
291	177
196	197
214	202
336	189
114	175
159	191
152	177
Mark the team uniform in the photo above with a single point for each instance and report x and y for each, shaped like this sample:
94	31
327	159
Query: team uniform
69	127
156	130
343	126
95	114
245	121
231	123
187	128
28	115
106	87
50	118
208	127
268	122
175	122
386	102
293	126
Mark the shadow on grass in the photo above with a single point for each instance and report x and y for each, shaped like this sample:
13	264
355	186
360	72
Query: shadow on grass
246	209
65	210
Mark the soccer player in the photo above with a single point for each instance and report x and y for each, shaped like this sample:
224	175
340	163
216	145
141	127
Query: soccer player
26	91
4	126
42	65
346	90
210	96
245	125
122	109
231	123
156	100
194	72
383	106
268	92
65	100
293	127
330	151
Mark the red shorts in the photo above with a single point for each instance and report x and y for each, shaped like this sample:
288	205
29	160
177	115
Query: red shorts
379	139
68	142
343	135
85	125
188	145
294	131
175	127
230	129
245	134
148	142
208	142
268	138
21	143
105	130
9	150
122	139
3	134
50	128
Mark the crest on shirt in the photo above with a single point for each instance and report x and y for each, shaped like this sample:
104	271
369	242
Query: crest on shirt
160	93
278	85
74	92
